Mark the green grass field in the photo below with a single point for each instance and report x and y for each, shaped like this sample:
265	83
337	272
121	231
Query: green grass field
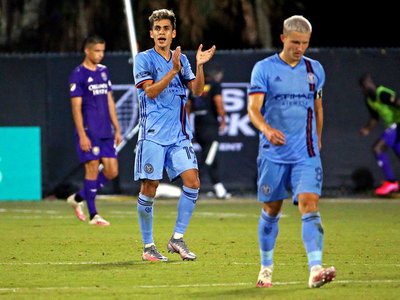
47	253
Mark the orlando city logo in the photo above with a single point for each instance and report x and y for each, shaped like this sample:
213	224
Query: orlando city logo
148	168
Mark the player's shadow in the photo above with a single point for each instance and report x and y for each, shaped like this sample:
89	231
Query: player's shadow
129	263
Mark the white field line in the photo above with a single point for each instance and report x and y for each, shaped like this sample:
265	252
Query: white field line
233	284
67	263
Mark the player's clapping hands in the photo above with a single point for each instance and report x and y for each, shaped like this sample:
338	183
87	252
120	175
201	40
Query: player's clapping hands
204	56
176	59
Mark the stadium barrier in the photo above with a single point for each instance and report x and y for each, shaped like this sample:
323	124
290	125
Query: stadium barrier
35	93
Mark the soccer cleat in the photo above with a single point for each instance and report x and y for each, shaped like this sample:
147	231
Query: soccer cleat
265	278
225	196
99	221
77	206
179	246
321	276
151	254
387	187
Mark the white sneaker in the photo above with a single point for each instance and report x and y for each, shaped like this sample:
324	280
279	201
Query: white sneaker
99	221
221	192
265	278
77	206
319	276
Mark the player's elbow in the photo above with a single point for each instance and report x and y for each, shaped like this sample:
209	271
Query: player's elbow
150	94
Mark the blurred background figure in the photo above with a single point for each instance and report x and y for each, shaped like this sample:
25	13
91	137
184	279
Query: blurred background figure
382	103
209	120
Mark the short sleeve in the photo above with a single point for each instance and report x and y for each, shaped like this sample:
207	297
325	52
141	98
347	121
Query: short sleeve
215	89
258	83
321	76
75	86
109	84
142	70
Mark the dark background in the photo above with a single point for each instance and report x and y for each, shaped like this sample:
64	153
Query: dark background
61	26
35	93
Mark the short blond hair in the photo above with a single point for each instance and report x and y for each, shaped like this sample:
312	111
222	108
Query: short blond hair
297	23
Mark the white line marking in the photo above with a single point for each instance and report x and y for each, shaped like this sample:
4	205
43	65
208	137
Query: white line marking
66	263
16	289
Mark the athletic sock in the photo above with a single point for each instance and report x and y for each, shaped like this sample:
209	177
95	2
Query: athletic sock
312	234
383	162
90	190
79	197
186	205
145	215
177	236
101	180
268	228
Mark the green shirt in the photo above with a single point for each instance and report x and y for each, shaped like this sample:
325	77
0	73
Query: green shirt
388	113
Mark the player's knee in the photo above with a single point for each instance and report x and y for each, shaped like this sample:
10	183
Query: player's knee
306	207
92	170
149	188
194	183
111	173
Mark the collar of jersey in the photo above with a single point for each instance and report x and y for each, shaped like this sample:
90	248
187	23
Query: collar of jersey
170	51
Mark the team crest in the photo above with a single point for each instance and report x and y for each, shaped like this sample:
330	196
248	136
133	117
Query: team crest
72	87
266	189
311	78
104	76
96	150
148	168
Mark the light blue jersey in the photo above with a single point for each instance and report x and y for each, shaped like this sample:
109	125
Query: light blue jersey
289	106
162	120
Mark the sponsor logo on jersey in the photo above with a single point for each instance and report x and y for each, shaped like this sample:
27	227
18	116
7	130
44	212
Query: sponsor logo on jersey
98	89
143	74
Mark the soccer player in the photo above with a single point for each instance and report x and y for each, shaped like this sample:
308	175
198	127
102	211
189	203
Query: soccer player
209	113
161	76
94	114
285	104
382	102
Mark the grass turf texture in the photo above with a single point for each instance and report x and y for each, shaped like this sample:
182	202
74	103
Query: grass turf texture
47	253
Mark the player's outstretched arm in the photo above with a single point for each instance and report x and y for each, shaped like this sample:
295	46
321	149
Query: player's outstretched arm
197	85
274	136
153	89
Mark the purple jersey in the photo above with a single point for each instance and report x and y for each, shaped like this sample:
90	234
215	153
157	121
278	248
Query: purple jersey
93	87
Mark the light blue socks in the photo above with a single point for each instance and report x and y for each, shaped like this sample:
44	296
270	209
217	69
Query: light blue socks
268	229
312	234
